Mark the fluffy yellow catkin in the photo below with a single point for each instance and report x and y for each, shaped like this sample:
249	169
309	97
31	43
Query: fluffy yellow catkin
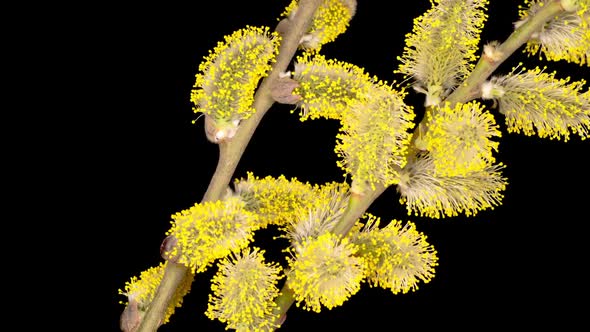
227	79
374	137
243	292
442	47
331	201
566	37
328	87
211	230
398	256
275	201
329	21
537	103
426	194
459	138
325	272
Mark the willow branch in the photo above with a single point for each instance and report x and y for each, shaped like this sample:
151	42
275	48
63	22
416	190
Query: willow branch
357	206
471	87
230	153
486	65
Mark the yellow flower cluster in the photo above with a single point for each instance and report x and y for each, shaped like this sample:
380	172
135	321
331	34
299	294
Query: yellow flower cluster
330	204
275	201
441	49
211	230
566	37
224	87
426	194
536	102
375	136
375	121
329	21
398	257
244	289
325	272
459	138
141	291
327	87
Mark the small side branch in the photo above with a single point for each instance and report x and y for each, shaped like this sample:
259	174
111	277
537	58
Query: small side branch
486	65
357	206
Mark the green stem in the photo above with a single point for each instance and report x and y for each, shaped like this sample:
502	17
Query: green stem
230	153
357	206
471	87
284	301
486	66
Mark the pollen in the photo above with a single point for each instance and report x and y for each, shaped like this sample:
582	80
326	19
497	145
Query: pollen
243	292
327	87
398	256
441	49
331	202
459	138
225	85
566	37
211	230
330	20
325	272
537	103
427	194
275	201
375	136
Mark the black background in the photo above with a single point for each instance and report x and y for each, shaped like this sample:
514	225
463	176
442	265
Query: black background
521	263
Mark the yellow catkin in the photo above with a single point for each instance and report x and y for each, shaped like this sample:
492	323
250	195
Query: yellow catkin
429	195
275	201
459	138
375	136
566	37
243	292
537	103
330	20
398	256
325	272
331	201
442	47
328	87
225	85
211	230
